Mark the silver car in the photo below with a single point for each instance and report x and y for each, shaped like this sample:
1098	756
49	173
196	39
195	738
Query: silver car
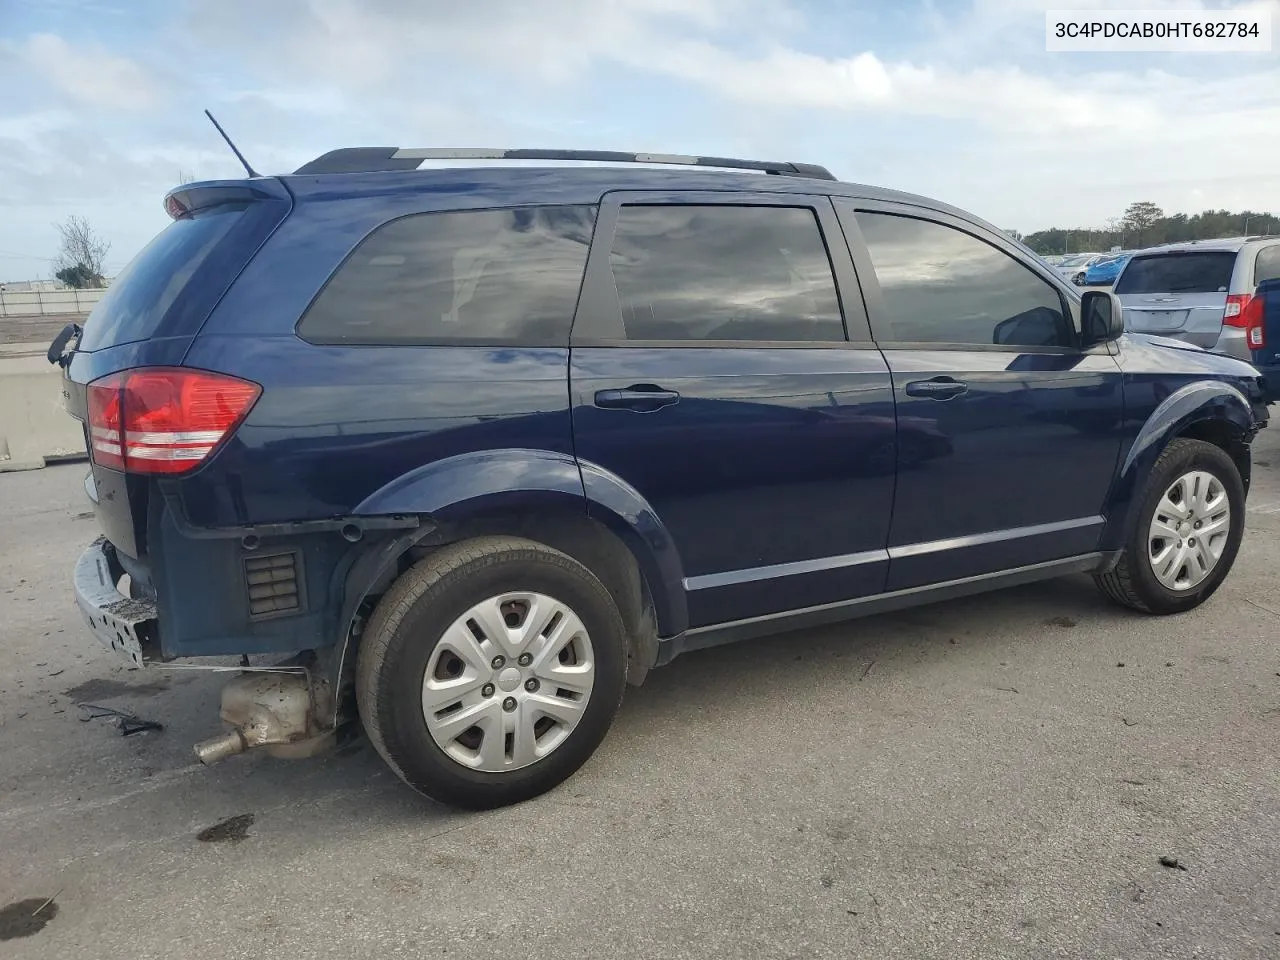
1073	266
1198	291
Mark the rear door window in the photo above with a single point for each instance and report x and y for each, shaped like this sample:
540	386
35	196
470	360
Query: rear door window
724	273
148	288
504	276
1197	272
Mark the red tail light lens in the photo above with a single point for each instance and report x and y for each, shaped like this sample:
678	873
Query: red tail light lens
1252	321
1237	303
164	420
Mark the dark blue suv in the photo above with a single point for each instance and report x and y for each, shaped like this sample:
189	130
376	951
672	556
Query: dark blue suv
477	447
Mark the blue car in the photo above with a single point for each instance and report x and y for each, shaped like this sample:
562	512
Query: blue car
470	450
1104	272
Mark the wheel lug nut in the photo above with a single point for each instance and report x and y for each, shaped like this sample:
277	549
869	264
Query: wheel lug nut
531	684
525	659
509	704
487	690
1197	524
499	662
1191	542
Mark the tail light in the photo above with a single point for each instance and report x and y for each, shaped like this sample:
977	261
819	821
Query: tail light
164	420
1237	303
1253	322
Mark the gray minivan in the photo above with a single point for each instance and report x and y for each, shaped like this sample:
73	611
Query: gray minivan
1198	291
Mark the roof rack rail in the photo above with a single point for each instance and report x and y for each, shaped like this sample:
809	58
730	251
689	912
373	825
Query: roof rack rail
372	159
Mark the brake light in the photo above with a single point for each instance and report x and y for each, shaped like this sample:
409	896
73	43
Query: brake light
1252	321
164	420
1233	316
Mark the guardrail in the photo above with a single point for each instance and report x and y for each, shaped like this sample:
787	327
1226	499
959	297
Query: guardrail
26	303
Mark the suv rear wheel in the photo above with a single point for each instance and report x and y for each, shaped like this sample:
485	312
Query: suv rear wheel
491	671
1190	522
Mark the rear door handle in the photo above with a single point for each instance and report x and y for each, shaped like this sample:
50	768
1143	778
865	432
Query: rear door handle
938	388
641	397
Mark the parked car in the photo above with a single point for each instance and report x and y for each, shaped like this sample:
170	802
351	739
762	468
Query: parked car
1199	292
1265	340
1075	266
1103	272
475	448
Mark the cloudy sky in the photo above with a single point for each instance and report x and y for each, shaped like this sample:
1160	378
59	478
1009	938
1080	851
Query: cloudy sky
100	100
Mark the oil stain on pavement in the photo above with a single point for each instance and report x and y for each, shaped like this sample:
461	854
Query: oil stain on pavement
231	830
26	917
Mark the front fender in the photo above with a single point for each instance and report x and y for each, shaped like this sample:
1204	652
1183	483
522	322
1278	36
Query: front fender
1204	400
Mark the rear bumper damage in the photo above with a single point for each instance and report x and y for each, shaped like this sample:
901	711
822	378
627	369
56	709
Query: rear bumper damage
288	709
125	626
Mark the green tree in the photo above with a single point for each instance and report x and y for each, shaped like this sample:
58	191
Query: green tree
1140	217
80	248
78	277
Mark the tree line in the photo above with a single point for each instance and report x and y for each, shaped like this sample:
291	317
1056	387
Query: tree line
1144	224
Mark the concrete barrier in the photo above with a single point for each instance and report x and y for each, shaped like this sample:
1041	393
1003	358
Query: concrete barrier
34	425
18	303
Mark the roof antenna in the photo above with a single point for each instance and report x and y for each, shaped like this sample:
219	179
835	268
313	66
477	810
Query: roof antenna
239	155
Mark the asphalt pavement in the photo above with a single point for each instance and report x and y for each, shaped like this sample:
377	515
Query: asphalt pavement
992	777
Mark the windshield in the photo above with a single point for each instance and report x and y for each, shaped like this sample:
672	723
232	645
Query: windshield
1207	272
1075	261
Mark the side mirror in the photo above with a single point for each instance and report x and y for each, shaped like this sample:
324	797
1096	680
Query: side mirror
1101	317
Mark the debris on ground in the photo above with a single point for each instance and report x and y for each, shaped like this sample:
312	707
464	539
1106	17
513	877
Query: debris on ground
127	723
1173	863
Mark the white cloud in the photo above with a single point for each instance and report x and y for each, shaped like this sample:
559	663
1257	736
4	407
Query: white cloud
966	106
90	74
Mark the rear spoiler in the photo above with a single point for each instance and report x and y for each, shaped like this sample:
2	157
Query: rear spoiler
187	199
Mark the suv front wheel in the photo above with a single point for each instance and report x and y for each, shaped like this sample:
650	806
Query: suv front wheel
1190	522
491	671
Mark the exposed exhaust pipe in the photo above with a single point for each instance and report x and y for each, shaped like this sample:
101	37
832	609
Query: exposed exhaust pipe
219	748
275	710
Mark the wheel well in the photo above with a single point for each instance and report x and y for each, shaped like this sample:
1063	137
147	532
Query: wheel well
1228	436
591	544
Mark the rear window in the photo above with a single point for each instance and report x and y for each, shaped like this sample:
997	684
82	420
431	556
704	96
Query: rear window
144	292
507	276
1208	272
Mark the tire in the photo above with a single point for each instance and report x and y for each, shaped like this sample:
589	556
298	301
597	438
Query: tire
1136	580
418	625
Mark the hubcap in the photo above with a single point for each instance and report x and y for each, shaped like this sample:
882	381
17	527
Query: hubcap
508	682
1189	530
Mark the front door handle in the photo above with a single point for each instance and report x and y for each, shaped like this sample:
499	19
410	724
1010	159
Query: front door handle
640	397
938	388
